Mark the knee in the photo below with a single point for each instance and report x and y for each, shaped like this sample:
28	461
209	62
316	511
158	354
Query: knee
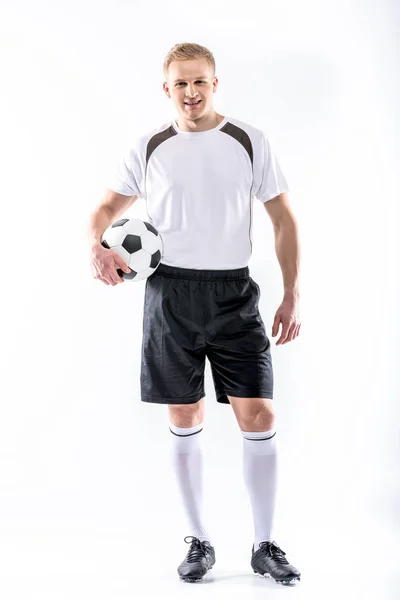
262	420
186	415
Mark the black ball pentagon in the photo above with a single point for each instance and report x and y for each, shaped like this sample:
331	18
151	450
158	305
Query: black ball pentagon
150	227
155	259
132	243
120	222
129	275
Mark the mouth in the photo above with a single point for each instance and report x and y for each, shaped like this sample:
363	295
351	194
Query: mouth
192	106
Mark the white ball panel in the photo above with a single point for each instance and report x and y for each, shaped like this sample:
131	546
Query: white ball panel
114	235
139	260
151	242
135	227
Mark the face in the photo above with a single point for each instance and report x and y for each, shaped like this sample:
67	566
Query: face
191	80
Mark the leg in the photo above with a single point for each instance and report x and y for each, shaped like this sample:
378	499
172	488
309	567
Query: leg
186	425
253	414
186	415
256	420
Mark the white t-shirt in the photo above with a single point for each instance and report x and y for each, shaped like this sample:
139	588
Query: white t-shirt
199	189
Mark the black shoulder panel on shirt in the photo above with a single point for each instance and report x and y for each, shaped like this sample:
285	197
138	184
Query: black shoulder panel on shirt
241	136
158	139
236	132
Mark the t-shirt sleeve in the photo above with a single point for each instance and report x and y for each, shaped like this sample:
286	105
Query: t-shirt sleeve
128	177
268	175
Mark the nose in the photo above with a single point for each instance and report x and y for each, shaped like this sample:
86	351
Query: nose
191	91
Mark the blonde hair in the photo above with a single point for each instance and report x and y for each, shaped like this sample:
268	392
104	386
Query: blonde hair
188	51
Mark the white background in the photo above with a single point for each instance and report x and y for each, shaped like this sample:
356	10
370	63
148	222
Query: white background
88	506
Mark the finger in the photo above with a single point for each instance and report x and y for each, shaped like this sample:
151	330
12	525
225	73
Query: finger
284	334
120	269
291	333
296	331
275	326
100	278
114	277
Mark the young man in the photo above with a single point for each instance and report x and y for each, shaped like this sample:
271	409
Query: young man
199	174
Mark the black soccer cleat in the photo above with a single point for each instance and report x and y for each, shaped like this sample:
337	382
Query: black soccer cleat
269	561
199	559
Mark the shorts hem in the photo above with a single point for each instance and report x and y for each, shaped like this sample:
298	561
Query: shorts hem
222	396
165	400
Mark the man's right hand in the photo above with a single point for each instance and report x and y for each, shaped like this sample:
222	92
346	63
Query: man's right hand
104	263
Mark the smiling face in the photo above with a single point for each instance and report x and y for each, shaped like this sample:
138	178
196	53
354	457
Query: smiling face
191	81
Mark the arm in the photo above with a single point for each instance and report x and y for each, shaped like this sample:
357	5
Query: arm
286	243
106	212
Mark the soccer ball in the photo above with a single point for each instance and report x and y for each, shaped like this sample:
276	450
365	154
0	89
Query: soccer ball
138	243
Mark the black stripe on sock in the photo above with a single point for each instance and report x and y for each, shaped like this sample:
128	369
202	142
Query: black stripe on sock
259	439
185	434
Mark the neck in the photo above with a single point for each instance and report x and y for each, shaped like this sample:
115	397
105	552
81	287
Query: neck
201	124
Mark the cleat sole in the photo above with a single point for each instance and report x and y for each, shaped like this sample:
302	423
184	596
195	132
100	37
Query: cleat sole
194	579
290	581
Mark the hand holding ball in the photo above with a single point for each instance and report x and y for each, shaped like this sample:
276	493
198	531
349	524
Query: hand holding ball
138	243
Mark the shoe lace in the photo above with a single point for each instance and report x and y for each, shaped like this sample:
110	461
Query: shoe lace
273	550
196	550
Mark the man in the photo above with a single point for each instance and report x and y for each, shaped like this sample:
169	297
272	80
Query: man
199	175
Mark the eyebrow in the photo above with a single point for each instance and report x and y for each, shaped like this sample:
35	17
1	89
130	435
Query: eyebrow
202	77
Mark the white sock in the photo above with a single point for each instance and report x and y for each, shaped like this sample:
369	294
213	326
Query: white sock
187	461
260	476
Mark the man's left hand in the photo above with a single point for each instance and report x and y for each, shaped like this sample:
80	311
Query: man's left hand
287	315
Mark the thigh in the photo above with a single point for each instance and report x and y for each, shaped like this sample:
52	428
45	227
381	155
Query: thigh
173	349
239	348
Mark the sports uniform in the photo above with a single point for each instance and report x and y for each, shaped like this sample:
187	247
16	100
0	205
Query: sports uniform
199	189
201	302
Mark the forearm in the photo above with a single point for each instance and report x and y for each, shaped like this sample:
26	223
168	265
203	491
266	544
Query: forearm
287	250
99	221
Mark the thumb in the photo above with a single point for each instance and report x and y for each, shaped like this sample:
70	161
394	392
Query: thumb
122	265
275	326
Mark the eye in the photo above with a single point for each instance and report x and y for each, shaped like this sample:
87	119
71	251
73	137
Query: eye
199	80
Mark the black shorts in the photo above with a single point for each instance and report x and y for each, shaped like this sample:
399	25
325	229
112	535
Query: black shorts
193	313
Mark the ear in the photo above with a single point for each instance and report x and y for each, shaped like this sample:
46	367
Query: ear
166	89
